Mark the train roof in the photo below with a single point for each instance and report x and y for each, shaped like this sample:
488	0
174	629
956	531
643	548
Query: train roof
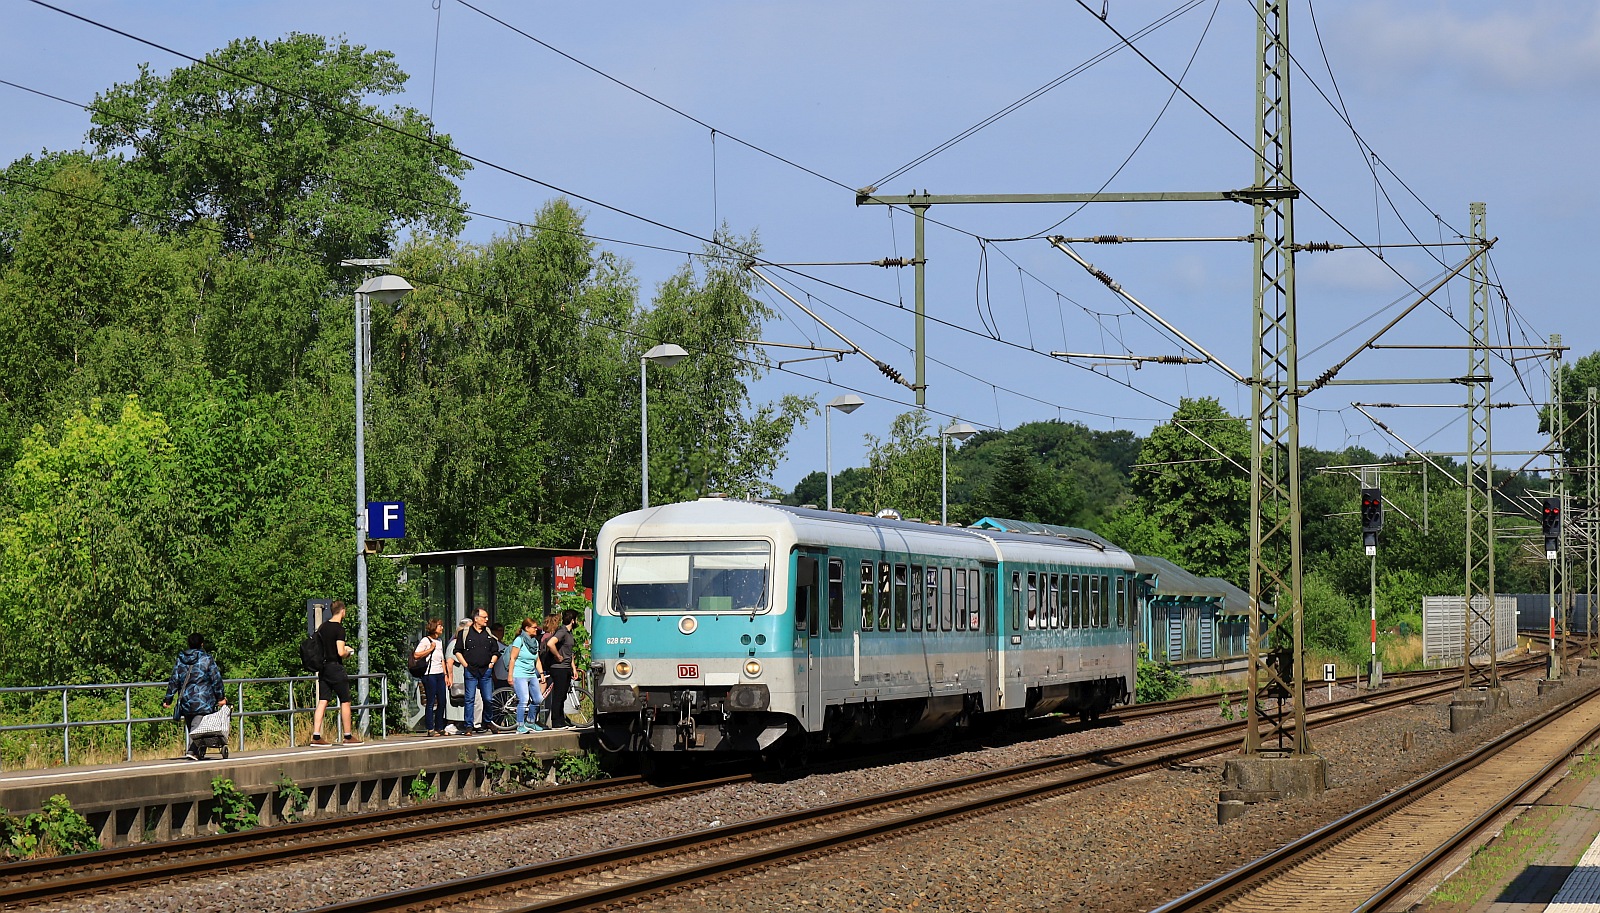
813	525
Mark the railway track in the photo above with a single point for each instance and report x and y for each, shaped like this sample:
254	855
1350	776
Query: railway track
1367	860
123	869
641	871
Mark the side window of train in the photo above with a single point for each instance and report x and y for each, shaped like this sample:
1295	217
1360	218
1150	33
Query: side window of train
805	590
959	600
1016	601
835	594
916	597
946	593
1105	601
902	596
1083	598
972	599
885	591
866	595
1122	602
1094	600
930	596
1033	600
986	605
1074	611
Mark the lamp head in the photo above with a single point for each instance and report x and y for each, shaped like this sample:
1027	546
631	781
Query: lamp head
847	403
959	430
385	289
666	354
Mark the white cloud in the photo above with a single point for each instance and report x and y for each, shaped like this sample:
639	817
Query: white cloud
1522	47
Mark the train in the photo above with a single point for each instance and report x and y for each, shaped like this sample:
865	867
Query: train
730	625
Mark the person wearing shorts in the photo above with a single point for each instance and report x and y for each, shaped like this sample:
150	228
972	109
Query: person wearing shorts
333	679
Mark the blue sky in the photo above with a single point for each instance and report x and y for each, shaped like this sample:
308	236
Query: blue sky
1459	101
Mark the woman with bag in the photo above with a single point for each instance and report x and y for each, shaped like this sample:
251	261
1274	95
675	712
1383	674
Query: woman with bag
429	654
527	676
197	683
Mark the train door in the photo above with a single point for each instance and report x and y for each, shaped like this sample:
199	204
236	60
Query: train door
993	630
808	586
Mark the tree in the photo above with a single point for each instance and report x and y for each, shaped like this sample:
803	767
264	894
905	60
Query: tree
273	142
1197	485
902	470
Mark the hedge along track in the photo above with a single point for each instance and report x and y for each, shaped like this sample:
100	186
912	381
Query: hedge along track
637	872
127	868
1367	859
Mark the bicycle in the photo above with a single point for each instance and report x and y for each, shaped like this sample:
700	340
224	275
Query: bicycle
579	708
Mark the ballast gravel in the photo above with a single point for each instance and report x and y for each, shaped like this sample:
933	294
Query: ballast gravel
1128	846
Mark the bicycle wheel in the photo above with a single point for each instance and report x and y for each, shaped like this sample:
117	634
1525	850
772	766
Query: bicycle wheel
579	707
503	709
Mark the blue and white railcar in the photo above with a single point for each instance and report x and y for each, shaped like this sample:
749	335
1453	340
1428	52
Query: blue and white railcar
729	625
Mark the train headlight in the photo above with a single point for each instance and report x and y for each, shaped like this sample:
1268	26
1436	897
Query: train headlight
623	668
752	669
687	624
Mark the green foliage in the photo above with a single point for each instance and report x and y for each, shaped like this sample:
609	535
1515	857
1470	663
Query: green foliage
55	830
577	767
902	471
295	800
1158	681
233	810
303	161
422	788
1332	622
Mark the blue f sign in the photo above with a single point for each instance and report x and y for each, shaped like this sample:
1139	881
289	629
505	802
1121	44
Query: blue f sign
386	520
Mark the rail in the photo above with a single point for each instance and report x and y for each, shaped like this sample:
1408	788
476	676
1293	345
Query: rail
244	695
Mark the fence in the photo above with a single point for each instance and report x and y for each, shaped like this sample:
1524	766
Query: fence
251	698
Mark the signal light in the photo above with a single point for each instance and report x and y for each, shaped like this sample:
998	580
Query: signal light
1371	510
1551	522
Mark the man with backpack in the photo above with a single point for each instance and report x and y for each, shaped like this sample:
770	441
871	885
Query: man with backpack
332	678
477	650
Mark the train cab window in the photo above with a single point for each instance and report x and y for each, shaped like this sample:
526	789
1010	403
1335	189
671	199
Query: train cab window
1090	620
866	596
1122	602
902	596
805	591
728	575
984	609
930	596
917	590
1016	601
1033	600
835	594
885	592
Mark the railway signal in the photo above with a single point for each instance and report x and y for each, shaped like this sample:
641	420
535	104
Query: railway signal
1371	518
1552	527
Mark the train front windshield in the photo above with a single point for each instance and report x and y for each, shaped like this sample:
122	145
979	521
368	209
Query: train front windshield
727	576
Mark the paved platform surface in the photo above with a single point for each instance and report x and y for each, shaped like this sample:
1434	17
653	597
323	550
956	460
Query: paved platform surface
1563	875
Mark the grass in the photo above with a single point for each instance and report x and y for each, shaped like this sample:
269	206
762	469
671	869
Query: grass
107	744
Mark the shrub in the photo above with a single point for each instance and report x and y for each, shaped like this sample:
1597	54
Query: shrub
234	810
55	830
1158	681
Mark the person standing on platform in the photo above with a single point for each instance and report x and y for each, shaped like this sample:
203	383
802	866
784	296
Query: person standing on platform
433	683
333	677
477	649
527	676
197	683
560	644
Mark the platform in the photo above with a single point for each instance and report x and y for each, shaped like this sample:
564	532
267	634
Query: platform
152	801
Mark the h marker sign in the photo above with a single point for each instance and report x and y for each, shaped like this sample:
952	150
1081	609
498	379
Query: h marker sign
386	520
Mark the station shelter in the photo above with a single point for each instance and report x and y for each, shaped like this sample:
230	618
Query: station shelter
511	582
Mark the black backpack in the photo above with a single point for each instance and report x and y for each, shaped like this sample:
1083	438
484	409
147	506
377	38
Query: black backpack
311	653
418	665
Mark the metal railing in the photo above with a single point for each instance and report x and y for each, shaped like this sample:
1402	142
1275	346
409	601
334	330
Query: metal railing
238	691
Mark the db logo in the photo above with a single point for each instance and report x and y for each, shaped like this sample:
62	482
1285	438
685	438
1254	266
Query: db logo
688	670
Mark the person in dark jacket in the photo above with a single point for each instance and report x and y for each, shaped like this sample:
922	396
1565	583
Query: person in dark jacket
477	649
197	684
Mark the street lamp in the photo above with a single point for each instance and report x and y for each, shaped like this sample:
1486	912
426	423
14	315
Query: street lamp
386	290
666	355
847	404
960	431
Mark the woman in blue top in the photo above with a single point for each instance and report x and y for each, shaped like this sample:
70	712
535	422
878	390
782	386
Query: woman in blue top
527	675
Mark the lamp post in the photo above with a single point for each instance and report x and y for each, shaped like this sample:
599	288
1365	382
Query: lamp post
666	354
960	431
386	290
847	404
